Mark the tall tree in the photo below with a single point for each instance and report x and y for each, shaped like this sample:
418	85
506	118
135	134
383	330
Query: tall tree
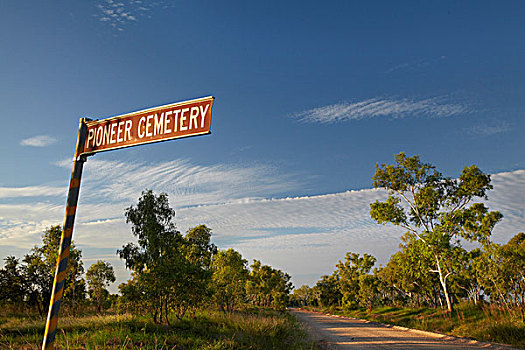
350	272
503	277
158	258
229	278
268	286
99	276
514	270
409	272
199	255
436	210
328	291
368	290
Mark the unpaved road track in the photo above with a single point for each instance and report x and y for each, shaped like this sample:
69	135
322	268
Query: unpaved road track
345	333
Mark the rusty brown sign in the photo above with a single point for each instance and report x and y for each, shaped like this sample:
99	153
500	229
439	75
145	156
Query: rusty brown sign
172	121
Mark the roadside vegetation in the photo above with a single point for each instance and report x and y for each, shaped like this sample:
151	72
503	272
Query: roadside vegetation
206	329
433	282
184	293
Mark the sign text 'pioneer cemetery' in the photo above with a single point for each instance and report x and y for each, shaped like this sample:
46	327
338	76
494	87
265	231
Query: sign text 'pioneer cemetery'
177	120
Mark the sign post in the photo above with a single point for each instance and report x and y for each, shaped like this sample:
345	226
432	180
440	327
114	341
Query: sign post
163	123
65	239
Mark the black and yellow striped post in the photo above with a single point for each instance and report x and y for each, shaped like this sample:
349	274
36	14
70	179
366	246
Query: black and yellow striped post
65	240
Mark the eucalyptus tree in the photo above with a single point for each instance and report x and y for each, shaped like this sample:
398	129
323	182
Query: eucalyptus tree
514	270
349	273
268	286
230	273
99	276
503	277
199	253
435	210
328	291
158	259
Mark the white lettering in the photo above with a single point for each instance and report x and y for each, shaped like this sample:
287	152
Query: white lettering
148	125
167	122
91	136
105	140
159	125
120	131
100	135
193	116
182	119
203	114
175	119
111	139
140	130
127	130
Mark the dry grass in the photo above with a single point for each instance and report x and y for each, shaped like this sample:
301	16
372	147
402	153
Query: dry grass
251	329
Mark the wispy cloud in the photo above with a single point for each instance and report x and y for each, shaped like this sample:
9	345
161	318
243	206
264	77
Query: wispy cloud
243	205
38	141
31	191
188	183
489	129
119	13
383	107
416	64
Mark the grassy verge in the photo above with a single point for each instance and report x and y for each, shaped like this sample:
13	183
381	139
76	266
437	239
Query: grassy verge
251	329
480	322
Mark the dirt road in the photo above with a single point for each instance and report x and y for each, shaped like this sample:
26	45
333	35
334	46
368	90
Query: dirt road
345	333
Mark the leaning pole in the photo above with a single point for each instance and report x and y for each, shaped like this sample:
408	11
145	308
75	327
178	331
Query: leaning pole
65	239
168	122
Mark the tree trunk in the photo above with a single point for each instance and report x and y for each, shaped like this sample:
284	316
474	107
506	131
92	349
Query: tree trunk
155	314
443	282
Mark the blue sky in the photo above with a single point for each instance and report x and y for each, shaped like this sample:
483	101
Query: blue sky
309	96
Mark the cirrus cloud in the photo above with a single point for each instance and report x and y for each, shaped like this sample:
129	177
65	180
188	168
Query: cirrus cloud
38	141
304	235
383	107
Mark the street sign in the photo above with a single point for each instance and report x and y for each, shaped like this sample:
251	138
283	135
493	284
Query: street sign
168	122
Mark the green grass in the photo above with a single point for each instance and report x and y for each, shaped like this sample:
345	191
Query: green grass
250	329
481	322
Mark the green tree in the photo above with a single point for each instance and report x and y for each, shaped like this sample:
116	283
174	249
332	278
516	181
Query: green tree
328	290
468	275
199	254
437	210
158	259
40	265
132	297
99	276
13	285
230	273
304	295
503	277
368	290
514	270
409	272
268	286
349	273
